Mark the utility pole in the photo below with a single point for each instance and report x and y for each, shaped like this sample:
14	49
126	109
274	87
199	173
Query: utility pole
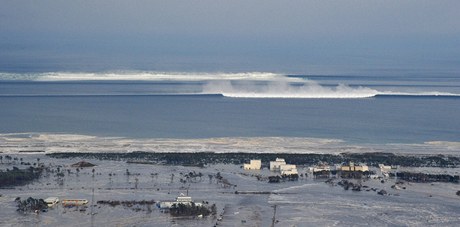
274	215
92	206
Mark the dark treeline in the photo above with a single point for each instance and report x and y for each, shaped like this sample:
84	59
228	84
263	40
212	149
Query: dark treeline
424	178
204	158
30	204
16	176
278	179
181	209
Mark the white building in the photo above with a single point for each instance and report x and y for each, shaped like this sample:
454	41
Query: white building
51	201
186	200
289	172
288	169
384	167
320	168
275	165
352	167
254	164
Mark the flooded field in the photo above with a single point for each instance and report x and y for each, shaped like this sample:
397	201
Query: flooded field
244	198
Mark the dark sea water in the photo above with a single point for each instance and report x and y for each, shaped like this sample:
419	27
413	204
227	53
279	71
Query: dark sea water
391	110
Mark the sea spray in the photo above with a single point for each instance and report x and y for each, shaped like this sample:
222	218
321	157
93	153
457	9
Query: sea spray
140	76
285	89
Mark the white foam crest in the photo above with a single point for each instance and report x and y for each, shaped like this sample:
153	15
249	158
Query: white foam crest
51	143
284	89
141	76
18	76
427	93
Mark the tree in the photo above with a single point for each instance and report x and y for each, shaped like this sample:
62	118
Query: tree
8	158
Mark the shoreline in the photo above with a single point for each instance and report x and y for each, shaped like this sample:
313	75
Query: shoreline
11	143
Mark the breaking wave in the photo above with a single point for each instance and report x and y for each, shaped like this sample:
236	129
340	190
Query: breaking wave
234	85
426	94
140	76
309	89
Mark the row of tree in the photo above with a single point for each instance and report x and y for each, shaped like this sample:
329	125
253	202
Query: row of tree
204	158
16	176
31	205
424	177
192	209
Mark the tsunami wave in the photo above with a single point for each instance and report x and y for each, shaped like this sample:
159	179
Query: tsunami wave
253	95
142	76
338	96
306	90
232	85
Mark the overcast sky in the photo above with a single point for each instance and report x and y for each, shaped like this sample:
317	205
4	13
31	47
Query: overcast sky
251	35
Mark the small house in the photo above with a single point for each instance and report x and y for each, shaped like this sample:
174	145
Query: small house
352	168
253	165
275	165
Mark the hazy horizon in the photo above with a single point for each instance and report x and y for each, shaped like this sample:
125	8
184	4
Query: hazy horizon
308	37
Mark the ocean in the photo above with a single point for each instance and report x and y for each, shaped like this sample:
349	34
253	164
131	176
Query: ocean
43	113
151	105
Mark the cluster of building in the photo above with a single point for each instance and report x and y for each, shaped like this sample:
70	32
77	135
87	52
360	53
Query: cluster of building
279	165
354	168
321	168
351	167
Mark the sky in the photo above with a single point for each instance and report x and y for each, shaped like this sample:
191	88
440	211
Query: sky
307	37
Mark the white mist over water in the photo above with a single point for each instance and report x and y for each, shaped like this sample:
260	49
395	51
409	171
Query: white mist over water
140	76
284	89
235	85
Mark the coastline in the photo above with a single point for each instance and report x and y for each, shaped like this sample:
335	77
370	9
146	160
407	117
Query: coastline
68	143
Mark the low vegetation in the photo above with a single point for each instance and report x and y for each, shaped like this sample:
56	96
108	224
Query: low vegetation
17	177
204	158
424	178
181	209
31	205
